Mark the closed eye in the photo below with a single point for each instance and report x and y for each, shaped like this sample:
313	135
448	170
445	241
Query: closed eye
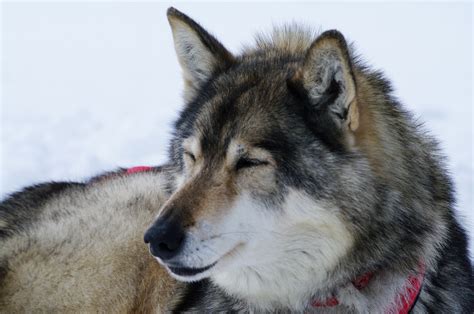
249	162
190	155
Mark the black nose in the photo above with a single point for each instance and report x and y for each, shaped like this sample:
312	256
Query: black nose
165	239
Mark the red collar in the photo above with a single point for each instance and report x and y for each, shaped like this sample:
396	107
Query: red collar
404	301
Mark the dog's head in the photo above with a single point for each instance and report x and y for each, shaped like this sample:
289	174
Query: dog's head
264	152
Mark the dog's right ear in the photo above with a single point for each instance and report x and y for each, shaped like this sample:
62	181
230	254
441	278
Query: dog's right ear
199	53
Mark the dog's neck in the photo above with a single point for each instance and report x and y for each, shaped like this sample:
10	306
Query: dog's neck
272	286
371	291
402	303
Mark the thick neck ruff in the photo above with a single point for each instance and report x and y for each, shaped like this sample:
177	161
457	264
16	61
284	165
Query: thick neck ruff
405	299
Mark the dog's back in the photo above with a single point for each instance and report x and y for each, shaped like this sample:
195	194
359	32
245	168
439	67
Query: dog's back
79	247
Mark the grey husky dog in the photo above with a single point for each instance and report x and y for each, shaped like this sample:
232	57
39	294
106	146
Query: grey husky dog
295	183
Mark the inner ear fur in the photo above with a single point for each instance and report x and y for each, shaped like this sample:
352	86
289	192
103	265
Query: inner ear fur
199	53
327	76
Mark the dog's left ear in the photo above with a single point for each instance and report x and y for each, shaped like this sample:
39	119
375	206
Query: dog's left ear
328	79
199	53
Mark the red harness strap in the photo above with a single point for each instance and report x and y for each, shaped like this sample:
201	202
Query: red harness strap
405	299
138	169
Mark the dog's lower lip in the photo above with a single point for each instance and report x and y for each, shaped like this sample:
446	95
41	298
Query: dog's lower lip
187	271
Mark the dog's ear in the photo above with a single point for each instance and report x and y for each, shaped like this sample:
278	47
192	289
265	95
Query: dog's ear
199	53
328	80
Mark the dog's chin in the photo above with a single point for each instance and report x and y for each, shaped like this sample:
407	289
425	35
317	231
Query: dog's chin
189	274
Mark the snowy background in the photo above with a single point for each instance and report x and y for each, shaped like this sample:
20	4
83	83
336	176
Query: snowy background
91	86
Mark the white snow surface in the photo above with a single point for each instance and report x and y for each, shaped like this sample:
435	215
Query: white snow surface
90	86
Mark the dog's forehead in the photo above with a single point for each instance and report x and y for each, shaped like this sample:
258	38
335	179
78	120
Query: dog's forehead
246	109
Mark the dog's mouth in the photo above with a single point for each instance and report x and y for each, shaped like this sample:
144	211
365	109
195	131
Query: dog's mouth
188	271
193	273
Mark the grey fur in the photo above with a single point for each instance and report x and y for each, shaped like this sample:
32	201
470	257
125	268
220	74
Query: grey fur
333	131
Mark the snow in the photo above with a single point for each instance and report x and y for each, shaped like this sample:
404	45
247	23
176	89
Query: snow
91	86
